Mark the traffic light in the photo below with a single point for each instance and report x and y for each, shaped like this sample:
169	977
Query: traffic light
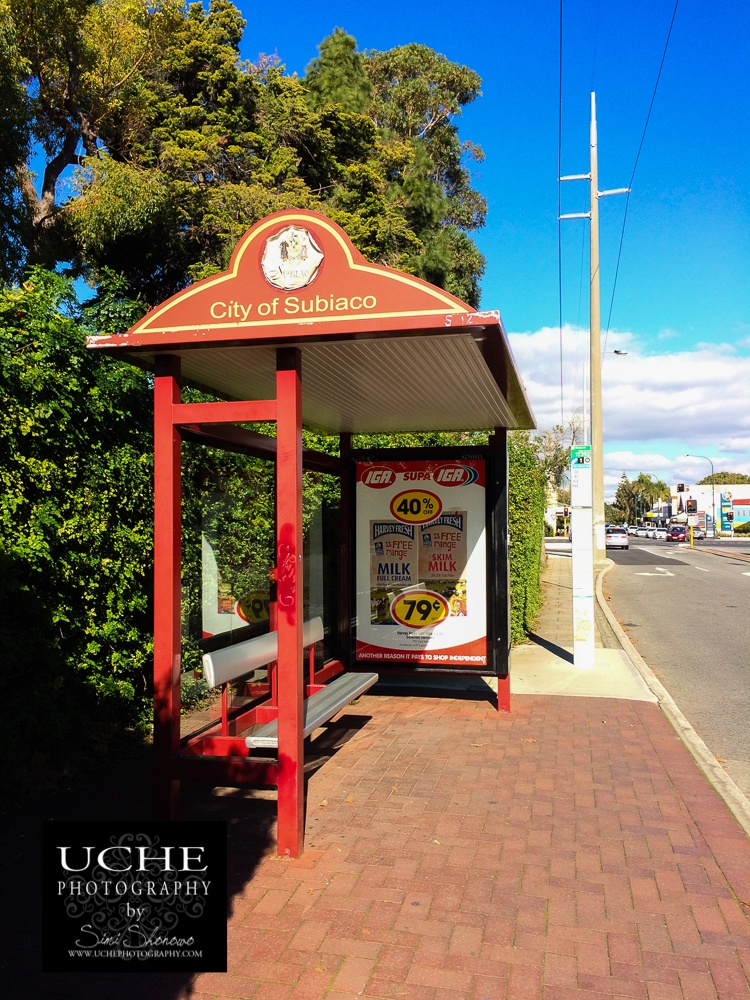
680	487
730	515
691	507
565	511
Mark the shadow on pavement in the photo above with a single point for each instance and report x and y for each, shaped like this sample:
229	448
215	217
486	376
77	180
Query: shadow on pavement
116	793
551	647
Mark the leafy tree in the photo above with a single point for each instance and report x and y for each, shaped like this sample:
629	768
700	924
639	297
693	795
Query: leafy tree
614	514
554	446
15	140
338	76
625	499
650	488
179	147
724	479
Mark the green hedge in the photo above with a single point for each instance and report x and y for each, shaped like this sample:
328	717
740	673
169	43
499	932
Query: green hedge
75	531
526	500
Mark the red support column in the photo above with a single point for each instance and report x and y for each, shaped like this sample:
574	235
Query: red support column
167	525
289	607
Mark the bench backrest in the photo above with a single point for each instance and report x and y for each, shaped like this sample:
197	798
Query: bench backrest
227	664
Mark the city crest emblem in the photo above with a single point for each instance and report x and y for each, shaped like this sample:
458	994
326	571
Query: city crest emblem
291	258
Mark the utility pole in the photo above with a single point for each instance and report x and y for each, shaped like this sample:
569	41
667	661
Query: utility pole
595	355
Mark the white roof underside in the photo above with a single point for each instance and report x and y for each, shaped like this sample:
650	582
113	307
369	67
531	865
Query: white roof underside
375	385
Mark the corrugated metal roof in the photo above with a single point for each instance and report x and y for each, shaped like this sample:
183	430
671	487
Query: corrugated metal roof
379	385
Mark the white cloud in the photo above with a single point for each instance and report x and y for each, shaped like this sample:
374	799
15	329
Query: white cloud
685	468
695	397
735	444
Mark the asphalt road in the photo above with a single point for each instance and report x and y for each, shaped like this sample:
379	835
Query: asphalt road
686	611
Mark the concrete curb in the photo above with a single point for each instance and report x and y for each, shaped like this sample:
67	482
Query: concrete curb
734	798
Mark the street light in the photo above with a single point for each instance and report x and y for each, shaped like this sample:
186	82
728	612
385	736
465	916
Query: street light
713	495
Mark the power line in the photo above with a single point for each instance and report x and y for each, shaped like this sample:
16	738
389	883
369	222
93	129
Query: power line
559	213
635	167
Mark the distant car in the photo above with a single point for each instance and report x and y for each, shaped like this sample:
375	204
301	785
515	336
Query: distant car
632	529
651	531
698	532
677	533
617	538
641	531
660	534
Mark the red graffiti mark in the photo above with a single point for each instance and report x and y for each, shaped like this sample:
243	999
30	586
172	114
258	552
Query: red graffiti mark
287	574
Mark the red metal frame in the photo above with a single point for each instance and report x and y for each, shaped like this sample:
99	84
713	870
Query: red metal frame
289	584
167	587
223	756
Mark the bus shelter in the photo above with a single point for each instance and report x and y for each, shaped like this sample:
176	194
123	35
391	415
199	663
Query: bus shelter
301	331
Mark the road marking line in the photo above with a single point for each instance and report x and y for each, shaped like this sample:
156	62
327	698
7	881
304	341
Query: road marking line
745	574
659	572
701	568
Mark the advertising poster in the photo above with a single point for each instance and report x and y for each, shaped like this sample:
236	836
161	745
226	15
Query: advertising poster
421	562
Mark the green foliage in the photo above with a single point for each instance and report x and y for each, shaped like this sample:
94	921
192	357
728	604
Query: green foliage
338	75
185	147
15	141
613	514
725	479
75	523
634	497
527	484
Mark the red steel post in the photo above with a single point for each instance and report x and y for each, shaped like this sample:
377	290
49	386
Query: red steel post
289	606
167	504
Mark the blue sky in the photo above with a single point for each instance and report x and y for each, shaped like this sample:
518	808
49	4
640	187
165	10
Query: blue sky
682	308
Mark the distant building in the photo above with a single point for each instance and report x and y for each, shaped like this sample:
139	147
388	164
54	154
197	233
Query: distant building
726	497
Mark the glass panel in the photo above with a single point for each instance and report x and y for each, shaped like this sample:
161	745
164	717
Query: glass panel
320	517
228	548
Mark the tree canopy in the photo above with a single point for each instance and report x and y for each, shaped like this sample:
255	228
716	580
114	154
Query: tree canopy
634	497
178	146
724	479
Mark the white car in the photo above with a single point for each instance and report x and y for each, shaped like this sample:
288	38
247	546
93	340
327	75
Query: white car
642	531
632	529
660	534
617	538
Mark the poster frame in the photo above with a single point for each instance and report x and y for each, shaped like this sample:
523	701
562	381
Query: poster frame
495	458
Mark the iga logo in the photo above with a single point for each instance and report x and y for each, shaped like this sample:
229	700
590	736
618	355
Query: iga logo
455	475
377	477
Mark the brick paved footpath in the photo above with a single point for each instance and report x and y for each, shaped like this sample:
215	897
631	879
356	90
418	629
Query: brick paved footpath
455	853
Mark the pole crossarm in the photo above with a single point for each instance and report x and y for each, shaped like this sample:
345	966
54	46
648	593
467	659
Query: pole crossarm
576	215
576	177
606	194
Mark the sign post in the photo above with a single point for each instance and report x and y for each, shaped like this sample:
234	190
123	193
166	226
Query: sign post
582	528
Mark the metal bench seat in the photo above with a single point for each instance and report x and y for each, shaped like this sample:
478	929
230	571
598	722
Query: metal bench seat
319	708
226	665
